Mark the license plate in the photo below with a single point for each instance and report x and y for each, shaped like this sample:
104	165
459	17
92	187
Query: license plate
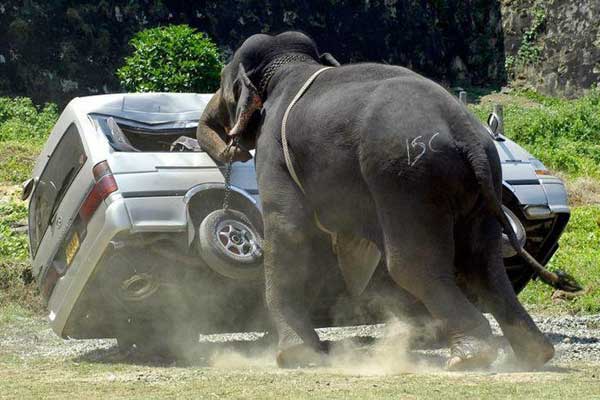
72	248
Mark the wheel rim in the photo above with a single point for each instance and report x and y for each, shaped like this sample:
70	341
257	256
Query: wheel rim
237	239
138	287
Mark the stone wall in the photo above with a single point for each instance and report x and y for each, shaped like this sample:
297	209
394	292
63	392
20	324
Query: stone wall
54	50
560	57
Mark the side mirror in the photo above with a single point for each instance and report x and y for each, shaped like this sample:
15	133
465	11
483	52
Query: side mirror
493	122
28	187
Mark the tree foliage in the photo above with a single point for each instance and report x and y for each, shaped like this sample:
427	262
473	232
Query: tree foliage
174	58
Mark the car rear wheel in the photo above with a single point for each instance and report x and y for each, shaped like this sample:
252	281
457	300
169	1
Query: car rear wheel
231	246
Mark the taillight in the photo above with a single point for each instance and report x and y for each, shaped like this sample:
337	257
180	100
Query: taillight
543	172
104	186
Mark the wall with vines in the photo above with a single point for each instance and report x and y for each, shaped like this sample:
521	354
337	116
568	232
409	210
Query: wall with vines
552	45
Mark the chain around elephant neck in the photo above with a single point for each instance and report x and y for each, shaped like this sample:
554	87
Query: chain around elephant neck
274	65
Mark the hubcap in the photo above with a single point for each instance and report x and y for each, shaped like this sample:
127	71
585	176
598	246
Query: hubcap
138	287
237	239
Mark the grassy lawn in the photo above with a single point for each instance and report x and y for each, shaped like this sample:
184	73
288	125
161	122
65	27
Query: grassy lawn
17	159
59	379
579	253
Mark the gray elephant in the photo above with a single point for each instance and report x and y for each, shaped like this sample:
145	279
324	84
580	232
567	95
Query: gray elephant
382	158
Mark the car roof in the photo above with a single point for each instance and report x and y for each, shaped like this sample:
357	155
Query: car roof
154	109
145	108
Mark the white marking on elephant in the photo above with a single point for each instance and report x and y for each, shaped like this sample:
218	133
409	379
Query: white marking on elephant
414	144
431	143
417	142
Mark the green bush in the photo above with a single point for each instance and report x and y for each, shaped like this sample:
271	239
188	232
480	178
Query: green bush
17	159
21	120
23	130
174	58
16	280
13	244
563	134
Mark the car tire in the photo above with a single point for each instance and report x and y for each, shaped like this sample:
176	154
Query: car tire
231	246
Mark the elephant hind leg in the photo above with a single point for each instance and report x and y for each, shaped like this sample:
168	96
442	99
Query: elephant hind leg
419	248
496	293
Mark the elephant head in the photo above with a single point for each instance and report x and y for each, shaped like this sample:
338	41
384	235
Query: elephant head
234	110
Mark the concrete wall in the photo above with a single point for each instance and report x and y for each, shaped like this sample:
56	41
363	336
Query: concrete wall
568	43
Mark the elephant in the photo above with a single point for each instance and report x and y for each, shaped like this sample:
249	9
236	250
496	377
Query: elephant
380	154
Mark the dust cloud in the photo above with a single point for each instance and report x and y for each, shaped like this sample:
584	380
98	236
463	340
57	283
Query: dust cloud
389	355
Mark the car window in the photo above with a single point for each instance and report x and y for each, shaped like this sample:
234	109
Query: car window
63	166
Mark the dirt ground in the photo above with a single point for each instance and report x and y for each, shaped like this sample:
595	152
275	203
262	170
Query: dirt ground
34	363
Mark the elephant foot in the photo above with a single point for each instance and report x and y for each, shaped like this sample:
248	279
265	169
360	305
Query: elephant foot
469	353
536	353
300	356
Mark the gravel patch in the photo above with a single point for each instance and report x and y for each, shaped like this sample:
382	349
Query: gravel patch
576	339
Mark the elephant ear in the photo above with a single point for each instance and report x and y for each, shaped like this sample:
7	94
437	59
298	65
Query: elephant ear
328	59
248	102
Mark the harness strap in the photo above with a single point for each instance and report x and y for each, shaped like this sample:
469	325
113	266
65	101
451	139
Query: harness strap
286	150
284	142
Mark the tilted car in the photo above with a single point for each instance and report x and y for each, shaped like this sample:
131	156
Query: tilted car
125	243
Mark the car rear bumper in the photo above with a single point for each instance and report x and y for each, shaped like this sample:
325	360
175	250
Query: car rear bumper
105	224
120	214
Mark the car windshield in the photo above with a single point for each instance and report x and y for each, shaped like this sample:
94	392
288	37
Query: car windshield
128	135
60	171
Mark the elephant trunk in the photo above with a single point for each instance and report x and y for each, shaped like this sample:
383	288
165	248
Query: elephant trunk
248	107
212	129
248	103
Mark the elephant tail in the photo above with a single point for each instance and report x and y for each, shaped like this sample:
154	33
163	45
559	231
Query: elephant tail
472	147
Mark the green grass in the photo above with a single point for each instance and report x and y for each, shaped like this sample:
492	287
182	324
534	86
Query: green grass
13	245
23	131
24	128
21	120
16	286
579	254
11	313
59	379
563	134
17	159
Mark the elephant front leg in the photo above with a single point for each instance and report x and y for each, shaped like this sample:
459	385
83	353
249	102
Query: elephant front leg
288	236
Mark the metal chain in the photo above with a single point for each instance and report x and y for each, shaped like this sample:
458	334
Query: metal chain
274	65
227	195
